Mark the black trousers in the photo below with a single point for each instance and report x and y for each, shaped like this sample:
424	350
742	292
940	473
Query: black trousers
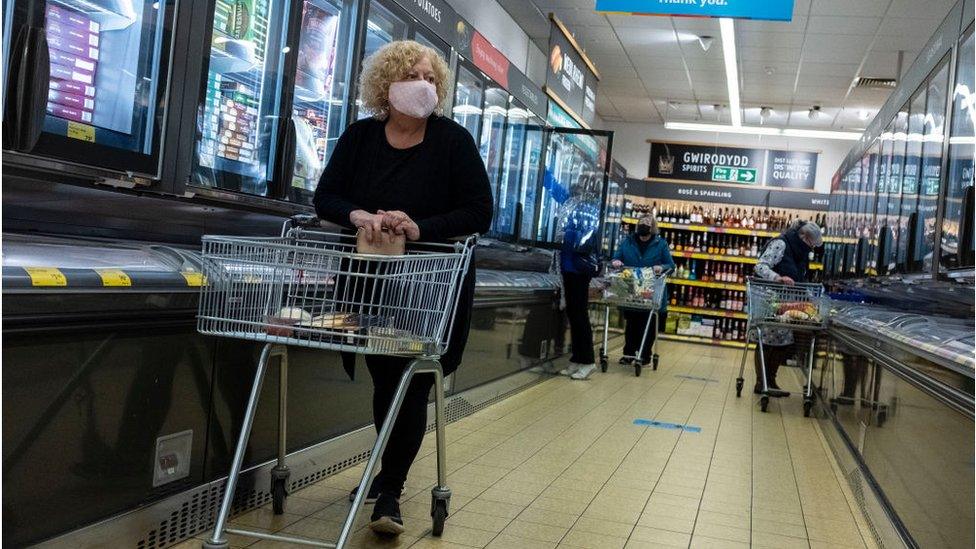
408	431
411	424
577	288
634	331
775	356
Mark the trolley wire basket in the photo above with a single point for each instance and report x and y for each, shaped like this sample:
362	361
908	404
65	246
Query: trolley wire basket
312	289
796	307
635	288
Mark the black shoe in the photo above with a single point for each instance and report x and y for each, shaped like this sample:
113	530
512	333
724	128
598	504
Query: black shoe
371	495
386	520
772	391
626	361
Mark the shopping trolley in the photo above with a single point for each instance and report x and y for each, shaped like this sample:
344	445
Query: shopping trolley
310	288
640	289
772	305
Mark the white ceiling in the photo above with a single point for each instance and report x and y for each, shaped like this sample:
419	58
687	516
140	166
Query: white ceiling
653	70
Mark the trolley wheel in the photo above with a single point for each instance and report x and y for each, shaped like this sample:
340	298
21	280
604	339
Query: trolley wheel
763	403
278	494
833	407
603	364
438	514
637	368
882	416
807	405
655	361
738	387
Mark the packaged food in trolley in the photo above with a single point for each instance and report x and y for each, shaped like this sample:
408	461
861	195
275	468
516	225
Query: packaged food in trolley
638	287
798	306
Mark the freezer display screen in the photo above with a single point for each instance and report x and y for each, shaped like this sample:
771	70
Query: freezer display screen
104	71
237	127
492	146
318	105
382	27
467	100
931	181
531	159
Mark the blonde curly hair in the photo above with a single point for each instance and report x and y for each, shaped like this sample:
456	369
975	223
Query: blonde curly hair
391	63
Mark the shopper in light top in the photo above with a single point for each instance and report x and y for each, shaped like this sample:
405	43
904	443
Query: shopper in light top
786	259
644	248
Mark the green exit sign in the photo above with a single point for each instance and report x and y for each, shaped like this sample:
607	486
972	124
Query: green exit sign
733	175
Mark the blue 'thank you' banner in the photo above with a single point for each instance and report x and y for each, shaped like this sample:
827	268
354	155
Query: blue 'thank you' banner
771	10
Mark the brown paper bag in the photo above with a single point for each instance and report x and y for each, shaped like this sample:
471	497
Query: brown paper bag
385	243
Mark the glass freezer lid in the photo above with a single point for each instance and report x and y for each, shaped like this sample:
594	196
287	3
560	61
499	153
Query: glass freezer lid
21	251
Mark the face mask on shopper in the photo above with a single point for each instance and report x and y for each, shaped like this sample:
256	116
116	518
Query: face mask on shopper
643	230
414	98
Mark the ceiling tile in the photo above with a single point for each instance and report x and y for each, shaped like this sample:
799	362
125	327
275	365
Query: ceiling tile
769	39
870	8
892	26
639	21
814	67
767	55
840	49
921	9
830	24
742	25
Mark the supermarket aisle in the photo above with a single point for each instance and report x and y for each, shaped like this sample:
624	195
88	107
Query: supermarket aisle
563	464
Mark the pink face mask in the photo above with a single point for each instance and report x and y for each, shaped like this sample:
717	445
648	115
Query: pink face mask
414	98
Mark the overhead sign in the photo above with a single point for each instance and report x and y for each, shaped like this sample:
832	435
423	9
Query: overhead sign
472	45
770	10
745	166
792	169
436	15
699	163
725	194
491	61
570	78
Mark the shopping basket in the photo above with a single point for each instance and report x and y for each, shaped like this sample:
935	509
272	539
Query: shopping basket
310	288
635	289
776	306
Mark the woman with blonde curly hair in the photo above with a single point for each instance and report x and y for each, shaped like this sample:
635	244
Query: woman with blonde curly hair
407	171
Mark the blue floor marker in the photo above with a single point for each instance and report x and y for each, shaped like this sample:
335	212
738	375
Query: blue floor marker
666	425
696	378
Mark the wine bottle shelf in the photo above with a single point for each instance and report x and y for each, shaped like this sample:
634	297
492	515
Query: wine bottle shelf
706	340
703	284
708	312
732	230
730	258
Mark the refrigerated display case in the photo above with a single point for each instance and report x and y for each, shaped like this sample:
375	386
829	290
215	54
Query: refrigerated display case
516	187
492	144
955	251
910	173
239	119
469	94
576	177
931	177
101	101
319	103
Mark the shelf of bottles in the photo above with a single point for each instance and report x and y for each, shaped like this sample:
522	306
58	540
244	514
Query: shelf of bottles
714	250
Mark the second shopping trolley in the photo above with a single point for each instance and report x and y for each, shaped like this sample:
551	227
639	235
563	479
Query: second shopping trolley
312	289
640	289
771	307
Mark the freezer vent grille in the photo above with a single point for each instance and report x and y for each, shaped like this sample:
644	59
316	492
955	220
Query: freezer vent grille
870	83
856	482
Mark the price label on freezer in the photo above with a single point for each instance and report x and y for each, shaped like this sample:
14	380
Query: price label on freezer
46	276
194	279
83	132
114	277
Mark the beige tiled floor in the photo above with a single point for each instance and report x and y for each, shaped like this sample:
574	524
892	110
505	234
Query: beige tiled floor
562	465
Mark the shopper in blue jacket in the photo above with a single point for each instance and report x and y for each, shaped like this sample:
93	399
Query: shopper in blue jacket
644	248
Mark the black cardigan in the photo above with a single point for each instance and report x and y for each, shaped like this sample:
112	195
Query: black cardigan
440	183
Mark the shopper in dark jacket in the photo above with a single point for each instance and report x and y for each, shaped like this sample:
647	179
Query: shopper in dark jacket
785	259
579	263
644	248
413	172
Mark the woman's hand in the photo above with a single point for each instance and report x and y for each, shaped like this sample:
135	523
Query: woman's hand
616	264
658	269
370	224
786	280
400	223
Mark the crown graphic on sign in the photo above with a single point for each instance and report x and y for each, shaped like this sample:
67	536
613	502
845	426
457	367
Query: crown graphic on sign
665	164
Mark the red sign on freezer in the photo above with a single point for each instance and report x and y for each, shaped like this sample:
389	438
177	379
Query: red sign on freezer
491	61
